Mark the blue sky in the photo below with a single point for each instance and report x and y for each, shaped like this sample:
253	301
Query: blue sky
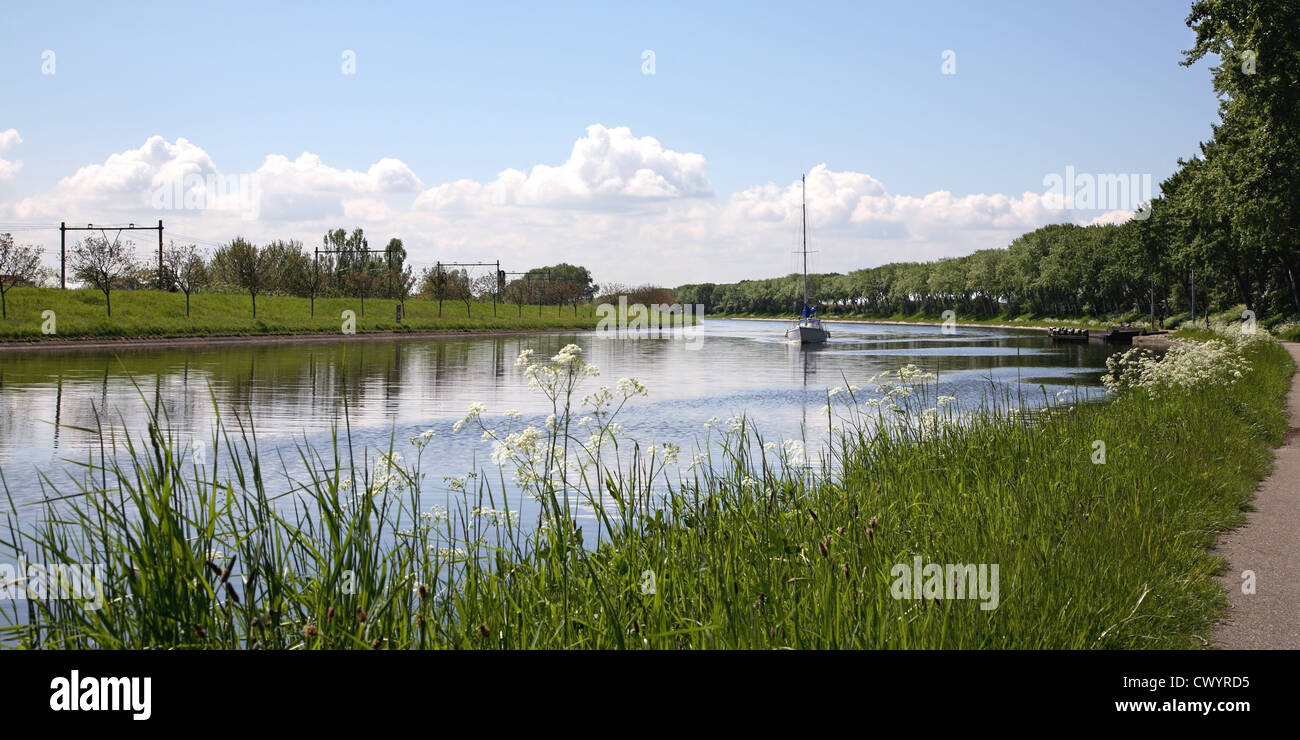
762	92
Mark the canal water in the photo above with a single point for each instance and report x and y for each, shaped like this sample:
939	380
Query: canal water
294	393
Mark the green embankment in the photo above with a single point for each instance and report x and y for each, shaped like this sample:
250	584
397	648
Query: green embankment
151	313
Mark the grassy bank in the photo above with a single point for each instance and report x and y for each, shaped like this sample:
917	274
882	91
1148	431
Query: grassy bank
152	313
750	548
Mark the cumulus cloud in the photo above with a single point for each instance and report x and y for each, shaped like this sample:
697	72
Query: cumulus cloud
628	207
857	202
607	168
8	140
309	173
1111	217
124	182
181	179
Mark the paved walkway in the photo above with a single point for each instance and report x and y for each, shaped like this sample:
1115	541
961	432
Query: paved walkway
1269	545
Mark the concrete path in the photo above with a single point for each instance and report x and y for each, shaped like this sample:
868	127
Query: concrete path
1269	545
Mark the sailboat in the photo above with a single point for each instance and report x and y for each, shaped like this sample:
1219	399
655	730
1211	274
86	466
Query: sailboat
808	328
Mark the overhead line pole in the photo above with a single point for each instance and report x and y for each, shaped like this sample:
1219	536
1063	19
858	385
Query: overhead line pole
319	252
496	264
64	228
530	278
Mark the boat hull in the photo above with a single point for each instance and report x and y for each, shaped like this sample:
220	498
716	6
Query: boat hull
807	334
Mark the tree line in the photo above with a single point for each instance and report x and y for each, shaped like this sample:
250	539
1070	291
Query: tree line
344	266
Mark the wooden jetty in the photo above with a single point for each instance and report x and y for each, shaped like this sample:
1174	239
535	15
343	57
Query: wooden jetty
1067	334
1112	334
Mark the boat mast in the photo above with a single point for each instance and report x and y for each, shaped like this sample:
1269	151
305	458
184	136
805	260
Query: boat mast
803	183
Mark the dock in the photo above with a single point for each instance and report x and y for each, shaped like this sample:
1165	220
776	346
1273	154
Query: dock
1112	334
1067	334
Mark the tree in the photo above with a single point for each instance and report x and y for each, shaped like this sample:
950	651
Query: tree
433	283
363	281
576	280
459	287
1257	147
402	287
485	286
184	266
18	266
518	292
100	263
315	280
336	242
355	258
395	264
287	265
250	269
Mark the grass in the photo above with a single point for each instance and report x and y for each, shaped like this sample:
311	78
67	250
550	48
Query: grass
747	550
1289	332
151	313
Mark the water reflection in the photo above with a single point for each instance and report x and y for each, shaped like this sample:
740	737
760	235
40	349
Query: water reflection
402	387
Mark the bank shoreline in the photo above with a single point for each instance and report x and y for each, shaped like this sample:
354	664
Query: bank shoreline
887	321
234	340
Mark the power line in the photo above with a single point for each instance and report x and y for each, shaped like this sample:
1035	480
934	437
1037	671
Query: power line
197	241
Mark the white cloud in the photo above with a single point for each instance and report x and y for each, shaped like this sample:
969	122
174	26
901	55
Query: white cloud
856	202
607	168
302	189
8	140
625	206
367	209
1111	217
124	182
309	173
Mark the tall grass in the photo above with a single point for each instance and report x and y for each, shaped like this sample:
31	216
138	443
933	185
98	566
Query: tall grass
754	544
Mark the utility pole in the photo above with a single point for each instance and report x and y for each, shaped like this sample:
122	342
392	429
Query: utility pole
365	265
803	183
1193	295
502	278
64	228
497	264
